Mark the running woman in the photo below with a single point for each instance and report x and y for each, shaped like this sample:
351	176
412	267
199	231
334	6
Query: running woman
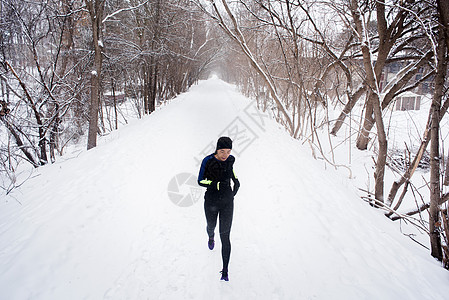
216	173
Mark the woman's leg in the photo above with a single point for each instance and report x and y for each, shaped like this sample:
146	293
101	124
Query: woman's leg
226	214
211	212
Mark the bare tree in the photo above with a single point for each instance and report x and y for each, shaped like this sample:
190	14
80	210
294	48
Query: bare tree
48	55
440	78
374	93
39	77
96	11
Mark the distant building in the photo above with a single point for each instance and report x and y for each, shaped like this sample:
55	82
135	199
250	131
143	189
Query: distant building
109	99
408	100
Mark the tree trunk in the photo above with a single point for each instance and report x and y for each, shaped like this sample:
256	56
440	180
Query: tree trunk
54	133
352	100
42	146
444	15
93	111
434	218
386	41
115	103
154	88
373	103
146	89
368	123
446	176
383	148
154	60
96	9
66	43
434	210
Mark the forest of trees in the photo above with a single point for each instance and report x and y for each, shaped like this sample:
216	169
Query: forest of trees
298	58
59	59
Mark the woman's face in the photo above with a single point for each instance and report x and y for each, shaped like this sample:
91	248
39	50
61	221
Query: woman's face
223	154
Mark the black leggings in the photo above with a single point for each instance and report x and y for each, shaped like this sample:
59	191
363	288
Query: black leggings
225	211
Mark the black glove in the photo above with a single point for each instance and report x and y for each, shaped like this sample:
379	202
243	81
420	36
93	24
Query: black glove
219	185
236	186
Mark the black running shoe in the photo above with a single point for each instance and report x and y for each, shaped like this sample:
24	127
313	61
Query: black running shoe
211	244
224	276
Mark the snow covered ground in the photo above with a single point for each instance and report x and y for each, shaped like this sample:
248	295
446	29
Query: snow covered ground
110	223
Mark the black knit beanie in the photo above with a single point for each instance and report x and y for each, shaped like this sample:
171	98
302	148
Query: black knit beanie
224	143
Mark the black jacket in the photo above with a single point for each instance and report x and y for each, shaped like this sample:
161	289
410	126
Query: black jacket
216	176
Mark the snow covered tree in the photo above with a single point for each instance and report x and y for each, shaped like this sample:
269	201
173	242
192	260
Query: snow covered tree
56	55
35	43
442	44
96	11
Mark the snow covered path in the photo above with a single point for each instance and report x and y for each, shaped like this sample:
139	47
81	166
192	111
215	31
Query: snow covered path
102	225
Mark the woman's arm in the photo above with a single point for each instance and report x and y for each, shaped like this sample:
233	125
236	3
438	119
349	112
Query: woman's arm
236	182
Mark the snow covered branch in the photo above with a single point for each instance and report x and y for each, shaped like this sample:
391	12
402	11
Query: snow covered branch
122	10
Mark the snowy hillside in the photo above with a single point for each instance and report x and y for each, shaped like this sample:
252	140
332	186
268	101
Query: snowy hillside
111	223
